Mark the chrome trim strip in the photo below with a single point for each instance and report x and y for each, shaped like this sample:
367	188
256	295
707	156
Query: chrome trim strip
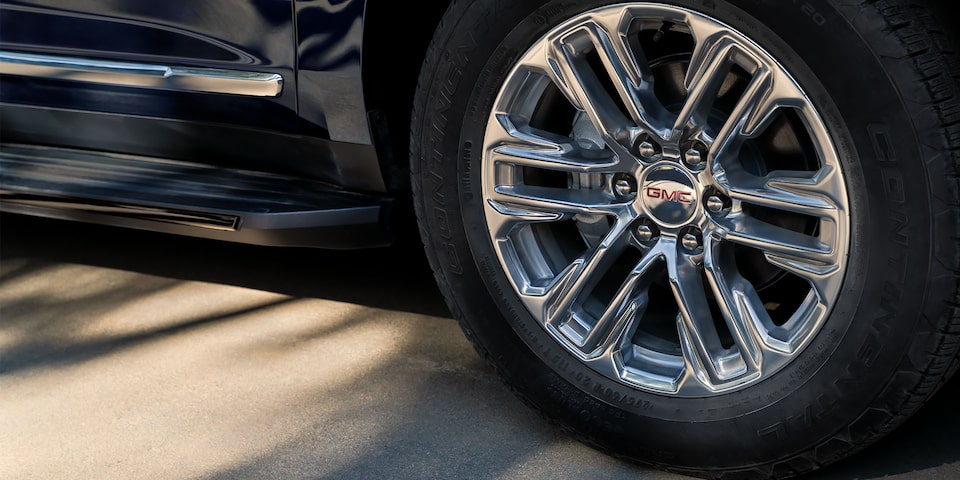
212	221
188	79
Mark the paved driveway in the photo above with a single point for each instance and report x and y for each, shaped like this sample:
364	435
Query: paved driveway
135	355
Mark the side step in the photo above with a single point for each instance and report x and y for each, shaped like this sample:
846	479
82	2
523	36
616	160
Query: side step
187	199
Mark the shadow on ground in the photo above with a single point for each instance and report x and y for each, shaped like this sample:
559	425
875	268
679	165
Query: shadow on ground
323	365
396	278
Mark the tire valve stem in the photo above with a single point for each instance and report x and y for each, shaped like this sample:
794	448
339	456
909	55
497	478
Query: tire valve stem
661	32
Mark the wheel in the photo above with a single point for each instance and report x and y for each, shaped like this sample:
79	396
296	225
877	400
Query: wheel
714	236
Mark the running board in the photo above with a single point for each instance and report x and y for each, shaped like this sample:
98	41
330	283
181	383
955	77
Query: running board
187	199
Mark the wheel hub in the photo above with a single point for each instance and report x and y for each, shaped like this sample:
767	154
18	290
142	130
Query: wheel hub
669	195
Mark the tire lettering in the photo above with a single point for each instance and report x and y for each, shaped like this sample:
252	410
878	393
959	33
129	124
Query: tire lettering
899	228
879	136
892	178
868	351
811	12
466	156
446	249
773	432
893	184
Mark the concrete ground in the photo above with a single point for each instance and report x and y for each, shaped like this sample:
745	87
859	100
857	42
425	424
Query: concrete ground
128	354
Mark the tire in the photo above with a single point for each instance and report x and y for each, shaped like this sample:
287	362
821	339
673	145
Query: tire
756	290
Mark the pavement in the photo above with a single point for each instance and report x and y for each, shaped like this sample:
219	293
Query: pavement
129	355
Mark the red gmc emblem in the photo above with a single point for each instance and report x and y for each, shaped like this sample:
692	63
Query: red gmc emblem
677	196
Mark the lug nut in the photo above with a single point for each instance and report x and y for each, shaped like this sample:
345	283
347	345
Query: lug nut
692	158
694	154
691	239
623	185
690	242
715	204
645	233
647	150
646	147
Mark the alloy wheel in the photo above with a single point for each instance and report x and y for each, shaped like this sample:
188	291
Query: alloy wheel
665	199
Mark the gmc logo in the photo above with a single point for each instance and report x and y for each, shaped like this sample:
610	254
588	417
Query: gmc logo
677	196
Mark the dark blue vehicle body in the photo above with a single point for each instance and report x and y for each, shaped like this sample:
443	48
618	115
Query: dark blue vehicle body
320	138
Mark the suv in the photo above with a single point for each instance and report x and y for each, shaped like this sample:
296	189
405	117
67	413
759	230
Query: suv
714	236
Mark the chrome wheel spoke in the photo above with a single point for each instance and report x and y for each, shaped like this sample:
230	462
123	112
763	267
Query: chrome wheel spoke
821	276
505	218
767	92
509	130
523	146
627	67
581	275
799	192
572	162
808	193
815	194
755	102
742	309
629	300
706	357
706	74
557	200
774	240
572	74
803	255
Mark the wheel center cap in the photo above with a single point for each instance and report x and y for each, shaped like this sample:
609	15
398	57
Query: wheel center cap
668	195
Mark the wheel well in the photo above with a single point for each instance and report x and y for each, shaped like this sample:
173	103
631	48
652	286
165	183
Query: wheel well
390	76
